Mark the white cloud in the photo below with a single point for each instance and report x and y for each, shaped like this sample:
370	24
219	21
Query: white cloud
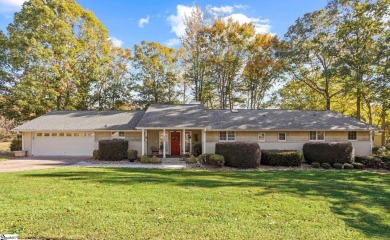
9	6
241	6
261	25
222	9
143	21
177	21
116	42
173	42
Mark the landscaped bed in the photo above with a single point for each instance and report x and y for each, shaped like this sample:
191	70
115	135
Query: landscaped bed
117	203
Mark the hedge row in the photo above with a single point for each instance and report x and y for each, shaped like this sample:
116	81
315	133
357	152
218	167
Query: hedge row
281	157
114	150
374	161
328	152
239	154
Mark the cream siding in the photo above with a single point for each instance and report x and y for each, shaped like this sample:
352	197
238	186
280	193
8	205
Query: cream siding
27	142
294	140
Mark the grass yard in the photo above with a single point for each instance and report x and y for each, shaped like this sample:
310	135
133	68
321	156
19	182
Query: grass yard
97	203
5	153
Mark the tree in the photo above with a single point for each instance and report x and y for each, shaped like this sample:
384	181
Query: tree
227	43
262	69
195	54
56	48
359	25
310	54
114	88
155	70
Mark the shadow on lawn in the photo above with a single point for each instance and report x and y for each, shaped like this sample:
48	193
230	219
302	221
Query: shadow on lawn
350	193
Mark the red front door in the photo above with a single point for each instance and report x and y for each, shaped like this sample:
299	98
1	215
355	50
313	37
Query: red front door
175	143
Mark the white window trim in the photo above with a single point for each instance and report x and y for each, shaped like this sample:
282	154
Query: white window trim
227	136
316	140
259	135
353	140
285	137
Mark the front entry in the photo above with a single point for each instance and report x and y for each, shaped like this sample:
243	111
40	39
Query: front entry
175	143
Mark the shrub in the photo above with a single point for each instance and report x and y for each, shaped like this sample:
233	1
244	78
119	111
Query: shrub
114	150
369	161
239	154
154	159
358	165
386	165
132	154
338	166
217	160
212	159
325	165
385	158
348	166
382	151
315	165
144	158
324	152
16	144
198	149
191	160
281	157
95	154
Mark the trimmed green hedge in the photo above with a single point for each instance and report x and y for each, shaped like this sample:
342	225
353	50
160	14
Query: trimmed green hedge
328	152
113	150
370	161
212	159
281	157
239	154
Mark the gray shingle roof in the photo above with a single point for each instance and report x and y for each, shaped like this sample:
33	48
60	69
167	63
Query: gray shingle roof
270	119
194	116
84	120
175	116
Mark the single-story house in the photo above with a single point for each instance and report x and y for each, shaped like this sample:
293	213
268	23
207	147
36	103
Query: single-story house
174	129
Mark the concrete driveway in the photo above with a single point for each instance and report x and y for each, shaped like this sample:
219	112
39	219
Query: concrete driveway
33	163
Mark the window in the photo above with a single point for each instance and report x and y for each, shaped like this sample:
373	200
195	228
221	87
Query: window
61	134
76	134
54	134
90	134
282	137
261	137
68	134
352	135
82	134
227	136
317	136
46	134
39	134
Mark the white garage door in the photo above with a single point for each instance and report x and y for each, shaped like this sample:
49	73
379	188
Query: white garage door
63	144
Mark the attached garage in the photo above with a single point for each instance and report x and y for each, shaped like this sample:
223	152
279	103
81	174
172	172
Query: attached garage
63	144
77	133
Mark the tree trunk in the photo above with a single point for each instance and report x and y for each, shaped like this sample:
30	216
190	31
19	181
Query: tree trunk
383	116
358	103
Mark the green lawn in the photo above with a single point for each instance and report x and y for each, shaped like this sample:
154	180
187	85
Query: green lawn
5	153
86	203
